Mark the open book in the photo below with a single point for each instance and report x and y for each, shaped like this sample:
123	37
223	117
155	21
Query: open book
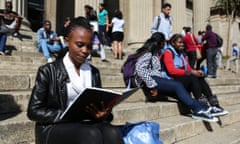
76	110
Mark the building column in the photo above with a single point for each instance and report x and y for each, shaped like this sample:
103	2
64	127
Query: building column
201	14
50	7
139	21
179	14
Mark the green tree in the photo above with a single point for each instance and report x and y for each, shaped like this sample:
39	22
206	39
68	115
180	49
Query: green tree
232	10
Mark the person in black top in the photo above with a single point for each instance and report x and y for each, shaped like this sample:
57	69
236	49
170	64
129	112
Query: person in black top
10	22
56	86
10	19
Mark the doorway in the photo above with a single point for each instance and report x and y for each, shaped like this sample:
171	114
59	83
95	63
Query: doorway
111	6
64	9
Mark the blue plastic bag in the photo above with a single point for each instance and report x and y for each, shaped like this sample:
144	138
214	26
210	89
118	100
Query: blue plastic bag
205	70
141	133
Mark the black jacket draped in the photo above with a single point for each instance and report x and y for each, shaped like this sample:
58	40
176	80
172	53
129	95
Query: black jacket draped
49	97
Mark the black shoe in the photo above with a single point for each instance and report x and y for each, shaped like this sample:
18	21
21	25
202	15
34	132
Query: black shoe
211	76
204	115
104	60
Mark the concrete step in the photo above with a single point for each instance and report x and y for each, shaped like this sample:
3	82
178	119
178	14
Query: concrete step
140	110
21	60
27	54
24	81
180	128
14	101
176	128
15	128
230	134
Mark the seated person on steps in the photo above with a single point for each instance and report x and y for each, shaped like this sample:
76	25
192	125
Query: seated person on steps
10	23
97	46
177	67
149	74
47	41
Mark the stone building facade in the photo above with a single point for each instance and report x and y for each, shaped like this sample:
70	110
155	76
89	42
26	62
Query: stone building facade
139	14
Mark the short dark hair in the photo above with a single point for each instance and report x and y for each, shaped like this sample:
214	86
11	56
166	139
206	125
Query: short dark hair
118	14
208	27
102	4
8	2
88	7
46	21
187	29
166	5
78	21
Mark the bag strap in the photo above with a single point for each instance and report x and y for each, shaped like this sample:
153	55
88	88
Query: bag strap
191	35
158	22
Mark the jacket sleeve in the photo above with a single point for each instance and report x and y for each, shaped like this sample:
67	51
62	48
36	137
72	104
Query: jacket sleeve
154	26
39	35
145	72
39	108
170	67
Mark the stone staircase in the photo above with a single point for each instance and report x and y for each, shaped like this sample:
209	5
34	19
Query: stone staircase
17	76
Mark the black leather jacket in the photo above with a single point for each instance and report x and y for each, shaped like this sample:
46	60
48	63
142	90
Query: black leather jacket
49	97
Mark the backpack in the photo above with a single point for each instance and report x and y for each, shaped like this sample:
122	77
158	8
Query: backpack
219	41
157	21
128	70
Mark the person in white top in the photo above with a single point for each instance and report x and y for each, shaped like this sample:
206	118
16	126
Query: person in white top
163	22
117	33
234	58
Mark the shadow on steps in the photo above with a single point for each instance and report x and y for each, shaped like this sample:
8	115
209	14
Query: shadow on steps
8	107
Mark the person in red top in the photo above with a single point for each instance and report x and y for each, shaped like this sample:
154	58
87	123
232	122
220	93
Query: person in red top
191	43
178	68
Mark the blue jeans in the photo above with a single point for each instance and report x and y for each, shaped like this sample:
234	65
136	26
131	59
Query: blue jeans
47	48
172	87
3	39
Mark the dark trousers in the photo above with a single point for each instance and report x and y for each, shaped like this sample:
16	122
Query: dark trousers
199	61
77	133
103	35
192	58
176	89
211	61
3	39
197	86
191	83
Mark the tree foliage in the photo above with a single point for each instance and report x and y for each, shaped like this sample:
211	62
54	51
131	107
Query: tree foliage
231	7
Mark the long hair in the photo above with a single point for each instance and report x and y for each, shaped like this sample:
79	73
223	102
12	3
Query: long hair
151	44
174	38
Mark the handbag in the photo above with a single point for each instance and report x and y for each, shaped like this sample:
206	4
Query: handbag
198	51
145	132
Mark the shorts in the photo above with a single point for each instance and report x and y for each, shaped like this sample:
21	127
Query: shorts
117	36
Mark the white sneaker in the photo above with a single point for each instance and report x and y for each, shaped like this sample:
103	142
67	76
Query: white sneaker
109	47
49	60
2	53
